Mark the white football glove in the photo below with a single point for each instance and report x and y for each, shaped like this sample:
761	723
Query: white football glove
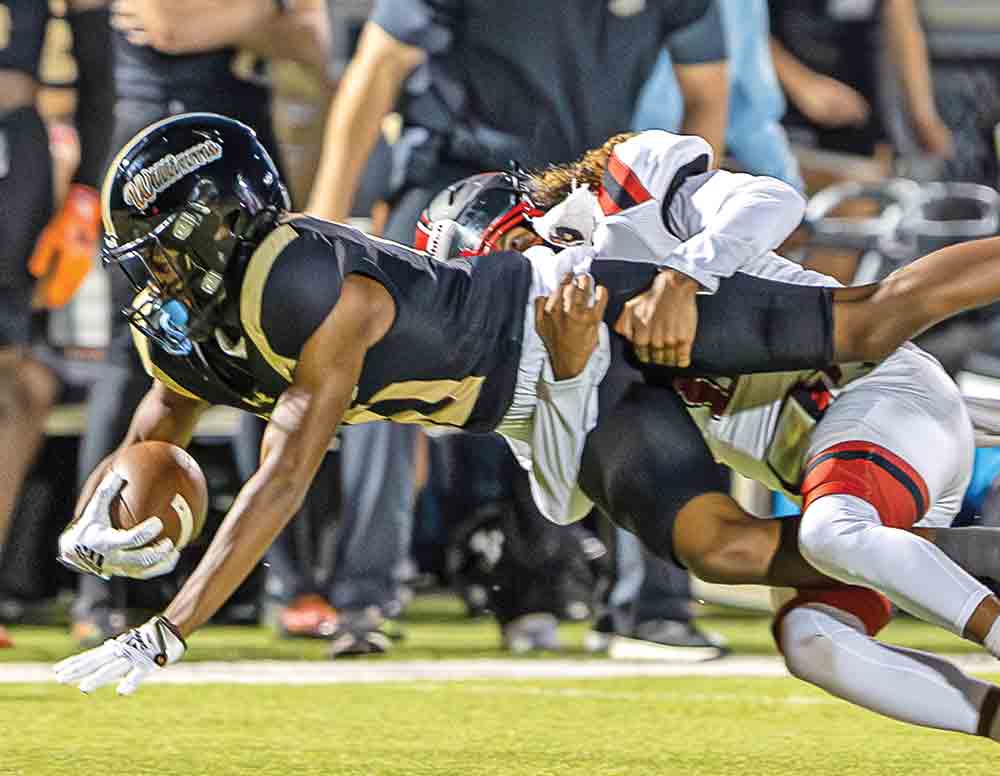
129	658
93	546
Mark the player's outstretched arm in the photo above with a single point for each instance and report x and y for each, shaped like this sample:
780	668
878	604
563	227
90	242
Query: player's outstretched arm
872	321
296	439
89	543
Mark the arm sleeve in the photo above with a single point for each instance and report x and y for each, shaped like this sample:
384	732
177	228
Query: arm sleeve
426	24
699	41
565	413
771	266
95	92
728	220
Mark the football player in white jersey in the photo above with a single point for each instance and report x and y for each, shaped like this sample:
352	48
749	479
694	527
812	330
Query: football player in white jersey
892	450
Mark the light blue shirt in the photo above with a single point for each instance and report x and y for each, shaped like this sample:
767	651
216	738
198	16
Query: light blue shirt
754	135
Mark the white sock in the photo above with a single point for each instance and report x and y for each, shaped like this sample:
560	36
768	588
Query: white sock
843	537
829	648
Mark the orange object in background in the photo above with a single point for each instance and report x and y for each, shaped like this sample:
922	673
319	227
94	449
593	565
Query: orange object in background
65	250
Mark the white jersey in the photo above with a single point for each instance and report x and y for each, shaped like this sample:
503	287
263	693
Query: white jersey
660	202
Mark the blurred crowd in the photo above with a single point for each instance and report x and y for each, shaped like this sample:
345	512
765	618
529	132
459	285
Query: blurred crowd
886	113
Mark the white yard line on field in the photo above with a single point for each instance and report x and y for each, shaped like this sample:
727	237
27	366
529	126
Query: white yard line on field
363	672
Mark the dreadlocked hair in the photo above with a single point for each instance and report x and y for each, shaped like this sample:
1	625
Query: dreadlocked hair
551	185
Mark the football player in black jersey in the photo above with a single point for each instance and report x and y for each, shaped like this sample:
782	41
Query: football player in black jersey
313	324
64	253
169	58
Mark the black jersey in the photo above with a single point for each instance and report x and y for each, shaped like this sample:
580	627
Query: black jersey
540	81
450	357
22	33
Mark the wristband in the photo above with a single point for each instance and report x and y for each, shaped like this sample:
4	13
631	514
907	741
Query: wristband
163	622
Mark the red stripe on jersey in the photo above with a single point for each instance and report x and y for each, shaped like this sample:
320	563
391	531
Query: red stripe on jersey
873	609
627	179
870	472
608	206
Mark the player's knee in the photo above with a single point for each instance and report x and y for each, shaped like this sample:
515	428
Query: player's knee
807	650
27	388
830	525
812	628
39	387
816	535
721	543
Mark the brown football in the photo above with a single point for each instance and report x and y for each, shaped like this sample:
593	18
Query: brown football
164	481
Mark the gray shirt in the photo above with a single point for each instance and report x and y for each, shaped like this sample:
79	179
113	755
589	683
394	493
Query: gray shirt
534	80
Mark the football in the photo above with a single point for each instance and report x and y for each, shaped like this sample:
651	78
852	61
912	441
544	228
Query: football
164	481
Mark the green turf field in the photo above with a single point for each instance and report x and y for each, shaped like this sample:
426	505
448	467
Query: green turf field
689	726
637	726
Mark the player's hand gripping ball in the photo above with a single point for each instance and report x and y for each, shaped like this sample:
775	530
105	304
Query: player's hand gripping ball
149	506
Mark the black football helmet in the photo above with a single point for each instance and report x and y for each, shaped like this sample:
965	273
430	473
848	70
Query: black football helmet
181	203
470	216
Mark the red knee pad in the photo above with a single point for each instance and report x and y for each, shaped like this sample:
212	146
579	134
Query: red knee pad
870	472
873	609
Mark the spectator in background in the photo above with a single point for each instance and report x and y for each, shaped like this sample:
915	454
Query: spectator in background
754	136
480	83
170	57
826	56
65	250
829	61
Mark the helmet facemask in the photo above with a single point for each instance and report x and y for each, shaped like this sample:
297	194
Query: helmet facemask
178	268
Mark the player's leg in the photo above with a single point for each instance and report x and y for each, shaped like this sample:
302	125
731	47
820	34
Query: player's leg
893	448
647	467
872	321
27	388
827	639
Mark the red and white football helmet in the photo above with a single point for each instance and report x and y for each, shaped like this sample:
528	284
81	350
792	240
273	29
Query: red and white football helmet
469	217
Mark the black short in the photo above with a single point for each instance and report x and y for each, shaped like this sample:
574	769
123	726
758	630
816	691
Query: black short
646	458
25	209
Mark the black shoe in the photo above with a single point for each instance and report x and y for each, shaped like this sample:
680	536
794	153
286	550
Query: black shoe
673	640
